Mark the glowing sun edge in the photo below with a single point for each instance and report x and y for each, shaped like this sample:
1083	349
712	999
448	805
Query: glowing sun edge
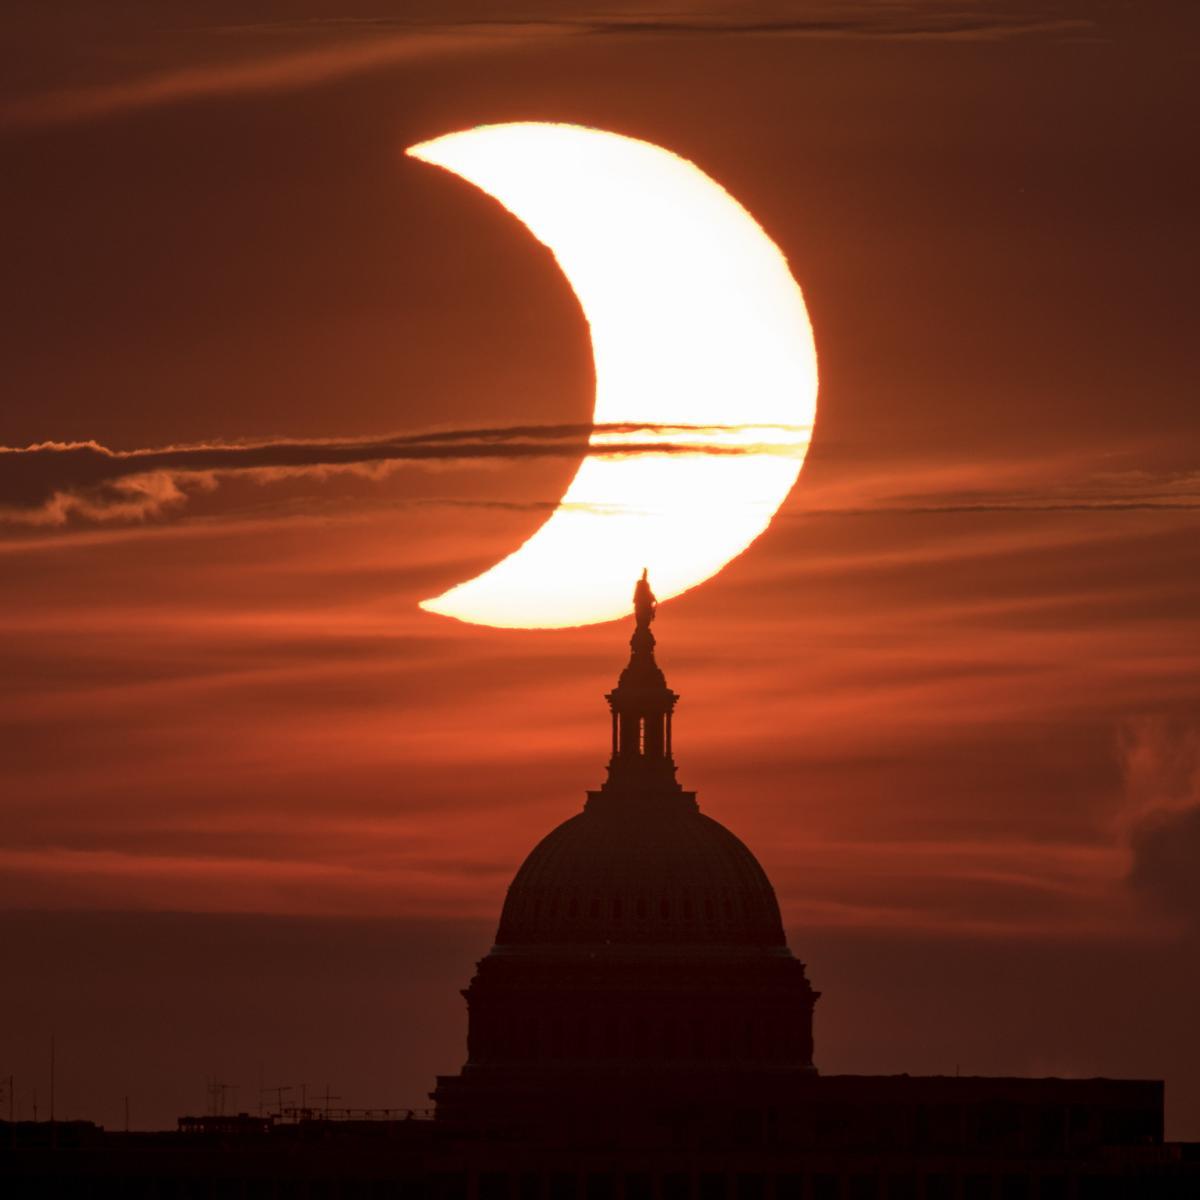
695	322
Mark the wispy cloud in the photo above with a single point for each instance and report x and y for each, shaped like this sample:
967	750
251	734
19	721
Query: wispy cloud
916	22
352	46
276	72
55	483
1160	762
50	482
1078	480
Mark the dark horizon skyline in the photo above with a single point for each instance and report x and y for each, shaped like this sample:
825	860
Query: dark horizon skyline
177	963
950	698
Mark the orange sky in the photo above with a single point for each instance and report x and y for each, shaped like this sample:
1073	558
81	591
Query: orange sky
950	698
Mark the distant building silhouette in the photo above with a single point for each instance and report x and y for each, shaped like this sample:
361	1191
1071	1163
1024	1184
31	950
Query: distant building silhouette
641	1031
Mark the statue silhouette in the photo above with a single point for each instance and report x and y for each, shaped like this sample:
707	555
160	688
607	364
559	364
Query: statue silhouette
644	603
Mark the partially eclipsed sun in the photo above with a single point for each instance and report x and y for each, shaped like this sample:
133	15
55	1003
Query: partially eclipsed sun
697	326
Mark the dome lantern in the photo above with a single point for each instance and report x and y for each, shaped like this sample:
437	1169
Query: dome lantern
642	706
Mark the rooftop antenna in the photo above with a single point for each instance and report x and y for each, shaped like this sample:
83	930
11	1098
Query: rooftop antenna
278	1093
327	1097
217	1091
53	1126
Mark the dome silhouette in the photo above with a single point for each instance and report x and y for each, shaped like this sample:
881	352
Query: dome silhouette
646	870
639	936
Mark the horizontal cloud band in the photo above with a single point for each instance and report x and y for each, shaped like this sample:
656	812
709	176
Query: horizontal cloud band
51	481
349	46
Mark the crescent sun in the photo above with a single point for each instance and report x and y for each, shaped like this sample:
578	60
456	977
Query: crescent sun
698	330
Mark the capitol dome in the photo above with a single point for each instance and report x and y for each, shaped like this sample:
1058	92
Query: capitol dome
647	870
640	939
